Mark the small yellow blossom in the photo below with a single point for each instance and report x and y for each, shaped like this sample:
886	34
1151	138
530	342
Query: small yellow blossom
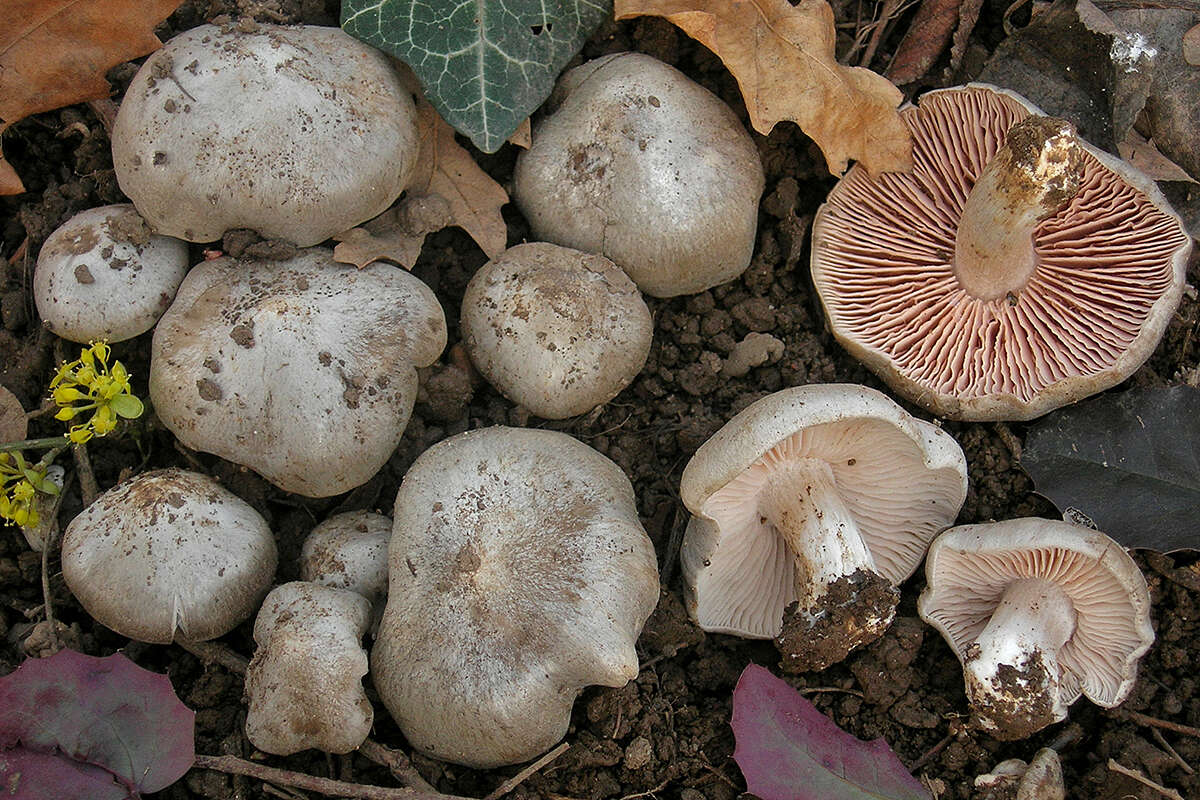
90	384
19	485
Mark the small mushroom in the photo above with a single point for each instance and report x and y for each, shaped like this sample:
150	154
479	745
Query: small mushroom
519	573
304	684
103	275
1039	611
304	370
296	132
1015	270
349	551
169	555
555	330
1013	779
644	166
819	500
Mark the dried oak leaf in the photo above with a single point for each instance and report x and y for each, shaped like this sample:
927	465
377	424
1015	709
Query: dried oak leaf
13	426
783	59
55	52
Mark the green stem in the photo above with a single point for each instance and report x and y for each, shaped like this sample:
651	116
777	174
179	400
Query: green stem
35	444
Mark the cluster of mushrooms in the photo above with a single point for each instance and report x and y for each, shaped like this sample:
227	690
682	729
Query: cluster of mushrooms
1016	269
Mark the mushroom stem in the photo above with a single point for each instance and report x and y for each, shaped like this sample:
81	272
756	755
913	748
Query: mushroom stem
1011	670
1035	173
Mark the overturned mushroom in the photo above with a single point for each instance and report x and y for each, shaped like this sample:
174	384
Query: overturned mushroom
1039	611
819	499
519	573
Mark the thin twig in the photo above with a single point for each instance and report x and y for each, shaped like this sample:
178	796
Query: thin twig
89	490
397	763
1142	779
648	792
1165	745
931	753
828	689
1154	722
48	546
298	780
519	778
215	653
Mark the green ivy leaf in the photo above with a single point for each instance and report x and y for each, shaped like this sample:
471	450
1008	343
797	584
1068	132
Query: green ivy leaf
484	64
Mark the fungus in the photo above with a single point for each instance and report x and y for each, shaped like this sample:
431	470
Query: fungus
519	573
103	275
555	330
349	551
819	500
321	136
304	684
169	555
1015	270
1013	779
1039	611
303	370
642	165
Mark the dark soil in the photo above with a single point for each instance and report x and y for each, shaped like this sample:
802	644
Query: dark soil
667	733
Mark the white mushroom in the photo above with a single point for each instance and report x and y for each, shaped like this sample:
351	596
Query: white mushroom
296	132
169	555
519	573
104	275
1039	611
349	551
642	165
555	330
818	499
304	684
304	370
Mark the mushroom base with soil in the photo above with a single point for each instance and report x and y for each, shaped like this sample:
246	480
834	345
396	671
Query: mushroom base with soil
854	610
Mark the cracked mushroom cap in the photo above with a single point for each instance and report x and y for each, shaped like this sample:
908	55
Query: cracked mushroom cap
644	166
972	571
304	370
519	574
900	481
980	306
304	684
104	275
555	330
297	132
169	555
349	551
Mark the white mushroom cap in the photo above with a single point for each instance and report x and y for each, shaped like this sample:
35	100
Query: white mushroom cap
349	551
304	684
303	370
1064	300
296	132
648	168
841	458
555	330
519	574
169	554
974	570
104	275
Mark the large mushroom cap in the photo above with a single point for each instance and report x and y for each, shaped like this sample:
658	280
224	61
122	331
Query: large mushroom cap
304	370
900	480
1106	270
519	573
169	554
296	132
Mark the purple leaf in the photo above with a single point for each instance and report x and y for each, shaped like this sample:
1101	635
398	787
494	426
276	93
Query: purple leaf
73	725
788	750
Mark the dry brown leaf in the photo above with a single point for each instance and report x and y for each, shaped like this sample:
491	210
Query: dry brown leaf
1140	152
10	182
523	136
55	52
395	235
928	34
783	59
13	426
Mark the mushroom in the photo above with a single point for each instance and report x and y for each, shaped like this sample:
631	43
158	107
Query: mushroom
103	275
1013	779
819	500
555	330
304	684
169	555
642	165
1015	270
303	370
296	132
519	573
1039	611
349	551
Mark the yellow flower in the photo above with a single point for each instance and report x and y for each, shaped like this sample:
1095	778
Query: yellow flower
90	384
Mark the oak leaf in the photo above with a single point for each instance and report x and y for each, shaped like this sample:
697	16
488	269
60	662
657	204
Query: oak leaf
55	52
783	59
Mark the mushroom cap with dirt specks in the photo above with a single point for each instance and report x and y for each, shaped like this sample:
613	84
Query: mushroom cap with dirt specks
296	132
349	551
304	370
1107	272
169	555
644	166
902	481
554	329
103	275
519	573
304	684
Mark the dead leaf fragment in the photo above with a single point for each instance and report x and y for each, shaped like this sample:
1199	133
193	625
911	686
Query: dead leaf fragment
1140	152
1191	46
523	136
10	182
783	59
927	37
12	417
395	235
